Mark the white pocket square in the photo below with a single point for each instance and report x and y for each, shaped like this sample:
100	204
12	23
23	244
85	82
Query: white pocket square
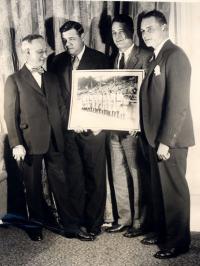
157	70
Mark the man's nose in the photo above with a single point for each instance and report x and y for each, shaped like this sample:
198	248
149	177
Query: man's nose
118	36
67	44
44	55
144	34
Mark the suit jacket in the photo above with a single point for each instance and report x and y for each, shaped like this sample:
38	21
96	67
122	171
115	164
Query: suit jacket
30	114
138	59
61	65
165	99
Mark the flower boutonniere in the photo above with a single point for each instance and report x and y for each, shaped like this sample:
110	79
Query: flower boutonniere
157	70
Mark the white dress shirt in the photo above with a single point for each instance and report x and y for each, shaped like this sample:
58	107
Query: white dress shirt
126	54
159	47
36	75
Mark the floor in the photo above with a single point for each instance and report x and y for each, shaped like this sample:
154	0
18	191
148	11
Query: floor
108	250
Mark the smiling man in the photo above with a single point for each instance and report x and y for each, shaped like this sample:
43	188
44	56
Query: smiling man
124	145
167	130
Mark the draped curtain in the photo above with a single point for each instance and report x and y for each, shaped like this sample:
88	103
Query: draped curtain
184	30
22	17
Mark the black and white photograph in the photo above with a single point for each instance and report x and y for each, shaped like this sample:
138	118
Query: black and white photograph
99	132
105	99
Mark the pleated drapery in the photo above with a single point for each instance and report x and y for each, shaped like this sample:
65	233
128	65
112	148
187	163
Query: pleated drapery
22	17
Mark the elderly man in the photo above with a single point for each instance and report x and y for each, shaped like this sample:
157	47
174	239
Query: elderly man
84	151
33	119
167	130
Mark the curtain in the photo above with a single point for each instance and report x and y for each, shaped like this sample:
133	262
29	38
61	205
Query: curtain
184	30
22	17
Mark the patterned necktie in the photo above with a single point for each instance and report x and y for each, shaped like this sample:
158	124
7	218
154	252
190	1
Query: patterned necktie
122	62
75	62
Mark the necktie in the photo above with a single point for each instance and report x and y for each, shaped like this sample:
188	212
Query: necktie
122	62
75	62
153	58
39	70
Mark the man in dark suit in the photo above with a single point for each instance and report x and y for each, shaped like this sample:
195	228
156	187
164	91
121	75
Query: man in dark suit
168	132
124	145
84	151
33	119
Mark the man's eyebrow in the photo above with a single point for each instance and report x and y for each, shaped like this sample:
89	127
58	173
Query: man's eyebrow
148	27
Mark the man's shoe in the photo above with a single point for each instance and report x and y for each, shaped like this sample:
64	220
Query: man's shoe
116	228
80	236
150	241
95	232
170	253
106	225
34	234
131	232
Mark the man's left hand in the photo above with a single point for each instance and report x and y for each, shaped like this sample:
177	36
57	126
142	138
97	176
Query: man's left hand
133	133
96	132
163	152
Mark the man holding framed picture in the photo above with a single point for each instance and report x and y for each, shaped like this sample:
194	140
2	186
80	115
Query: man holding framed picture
84	149
124	145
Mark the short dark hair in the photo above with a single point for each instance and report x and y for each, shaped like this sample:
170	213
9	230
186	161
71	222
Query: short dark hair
159	16
126	20
68	25
29	38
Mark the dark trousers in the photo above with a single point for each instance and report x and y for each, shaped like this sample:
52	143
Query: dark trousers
32	175
170	197
86	173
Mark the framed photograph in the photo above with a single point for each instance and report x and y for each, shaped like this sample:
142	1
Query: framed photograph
105	99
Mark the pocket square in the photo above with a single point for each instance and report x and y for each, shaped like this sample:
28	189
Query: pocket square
157	70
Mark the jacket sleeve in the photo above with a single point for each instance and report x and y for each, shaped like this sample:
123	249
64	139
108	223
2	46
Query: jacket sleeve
177	97
105	62
12	112
63	104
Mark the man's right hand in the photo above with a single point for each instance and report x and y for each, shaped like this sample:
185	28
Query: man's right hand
80	130
19	152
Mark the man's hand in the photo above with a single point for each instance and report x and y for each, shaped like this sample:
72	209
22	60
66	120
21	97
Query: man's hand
19	152
80	130
163	152
133	133
96	132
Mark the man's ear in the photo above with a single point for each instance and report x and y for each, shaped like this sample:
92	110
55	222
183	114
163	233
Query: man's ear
164	27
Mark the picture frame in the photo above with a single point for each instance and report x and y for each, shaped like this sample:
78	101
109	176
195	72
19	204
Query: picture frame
105	99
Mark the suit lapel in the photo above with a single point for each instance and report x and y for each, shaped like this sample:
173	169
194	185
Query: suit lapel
116	61
27	76
155	62
84	60
133	58
67	75
158	58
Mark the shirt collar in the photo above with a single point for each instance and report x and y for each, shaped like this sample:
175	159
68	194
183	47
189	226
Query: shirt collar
81	53
29	67
127	52
159	47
